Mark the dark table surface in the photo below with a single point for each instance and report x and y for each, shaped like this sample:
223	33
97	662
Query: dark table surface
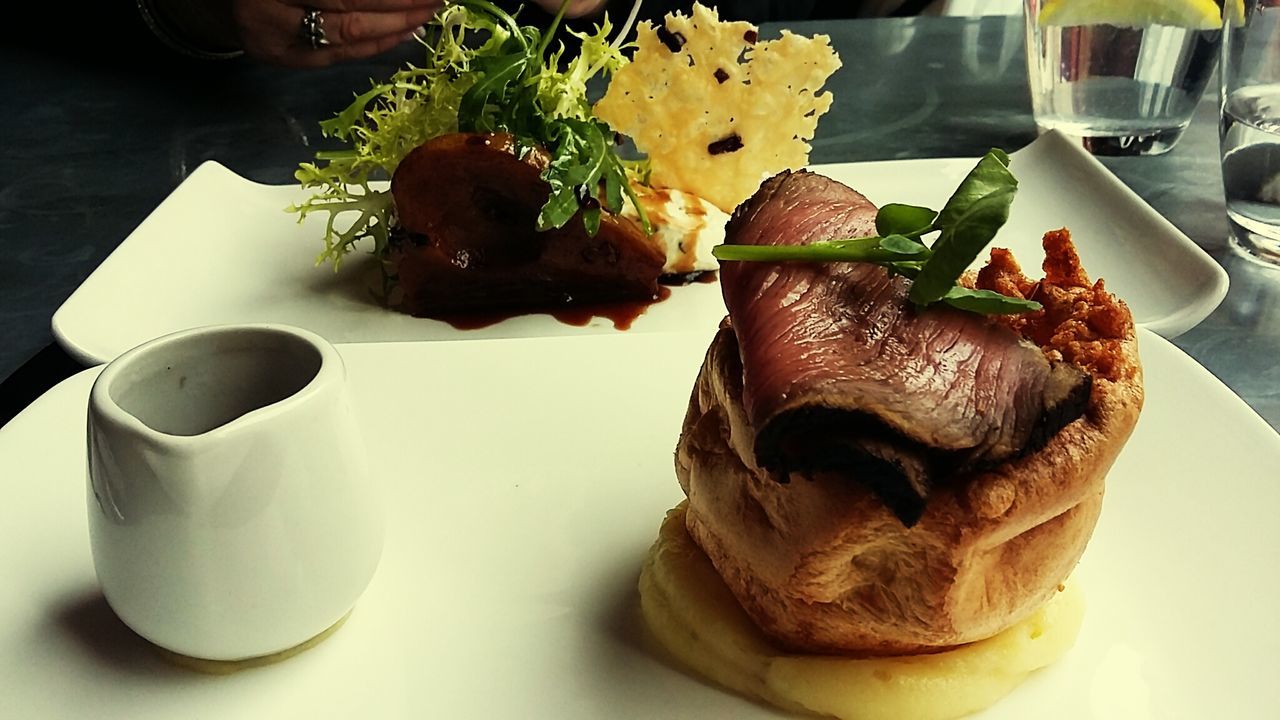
93	144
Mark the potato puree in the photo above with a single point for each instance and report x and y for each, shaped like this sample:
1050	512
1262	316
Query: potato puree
693	614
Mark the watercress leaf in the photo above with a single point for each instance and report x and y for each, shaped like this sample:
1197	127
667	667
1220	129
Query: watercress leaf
908	220
591	220
987	302
560	207
499	74
594	151
903	245
962	239
572	174
990	175
614	180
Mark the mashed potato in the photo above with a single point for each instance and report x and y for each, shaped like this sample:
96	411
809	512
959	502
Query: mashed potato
692	613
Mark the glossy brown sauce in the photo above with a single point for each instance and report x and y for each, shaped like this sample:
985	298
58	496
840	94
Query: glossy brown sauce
621	314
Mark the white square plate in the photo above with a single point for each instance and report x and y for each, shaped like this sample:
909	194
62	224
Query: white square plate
222	249
525	481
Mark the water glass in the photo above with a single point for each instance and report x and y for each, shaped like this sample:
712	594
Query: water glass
1121	90
1250	129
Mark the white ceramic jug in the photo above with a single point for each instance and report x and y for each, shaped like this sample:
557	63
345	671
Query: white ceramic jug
231	514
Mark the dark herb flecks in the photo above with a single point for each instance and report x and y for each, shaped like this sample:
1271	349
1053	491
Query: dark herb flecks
733	143
673	40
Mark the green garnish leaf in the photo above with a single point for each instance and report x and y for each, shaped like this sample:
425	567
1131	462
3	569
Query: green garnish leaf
960	243
591	219
343	125
492	89
560	206
987	302
965	226
908	269
903	245
991	174
868	249
488	10
909	220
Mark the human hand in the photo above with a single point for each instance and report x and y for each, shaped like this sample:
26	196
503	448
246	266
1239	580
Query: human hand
272	30
577	8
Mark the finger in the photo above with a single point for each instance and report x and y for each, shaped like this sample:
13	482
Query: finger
577	8
369	48
335	6
308	58
349	28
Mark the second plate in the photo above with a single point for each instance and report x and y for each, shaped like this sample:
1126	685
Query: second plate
222	249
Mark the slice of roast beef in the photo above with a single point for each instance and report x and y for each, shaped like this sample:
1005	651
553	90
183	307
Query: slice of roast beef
467	207
842	373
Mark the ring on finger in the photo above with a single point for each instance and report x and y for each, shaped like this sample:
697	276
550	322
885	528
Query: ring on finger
312	29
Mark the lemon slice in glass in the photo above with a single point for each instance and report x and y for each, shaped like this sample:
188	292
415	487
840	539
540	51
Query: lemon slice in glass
1191	14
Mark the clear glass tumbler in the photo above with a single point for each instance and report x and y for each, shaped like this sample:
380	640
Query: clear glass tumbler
1122	90
1250	128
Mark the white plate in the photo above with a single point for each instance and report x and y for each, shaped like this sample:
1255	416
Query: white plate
221	249
526	480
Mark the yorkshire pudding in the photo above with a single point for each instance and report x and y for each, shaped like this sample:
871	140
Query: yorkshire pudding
822	564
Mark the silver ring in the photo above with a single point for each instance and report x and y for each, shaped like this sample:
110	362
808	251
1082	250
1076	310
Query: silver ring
313	28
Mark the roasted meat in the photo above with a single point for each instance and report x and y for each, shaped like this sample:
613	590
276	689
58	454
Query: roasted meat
842	373
467	207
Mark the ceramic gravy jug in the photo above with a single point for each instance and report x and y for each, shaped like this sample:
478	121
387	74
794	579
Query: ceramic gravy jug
231	514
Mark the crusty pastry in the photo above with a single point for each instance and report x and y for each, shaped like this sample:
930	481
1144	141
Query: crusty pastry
822	566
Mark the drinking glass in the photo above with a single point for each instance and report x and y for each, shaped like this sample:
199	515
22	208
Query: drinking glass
1121	90
1250	128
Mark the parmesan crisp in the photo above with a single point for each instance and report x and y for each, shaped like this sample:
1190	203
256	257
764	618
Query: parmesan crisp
716	111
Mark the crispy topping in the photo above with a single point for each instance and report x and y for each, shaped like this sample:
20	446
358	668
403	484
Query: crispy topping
672	103
1081	322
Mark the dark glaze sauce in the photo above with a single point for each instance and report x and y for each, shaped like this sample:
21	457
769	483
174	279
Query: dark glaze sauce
622	314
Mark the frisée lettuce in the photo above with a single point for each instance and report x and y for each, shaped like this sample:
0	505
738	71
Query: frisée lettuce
484	72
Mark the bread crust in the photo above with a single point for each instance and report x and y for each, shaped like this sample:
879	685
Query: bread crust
822	566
